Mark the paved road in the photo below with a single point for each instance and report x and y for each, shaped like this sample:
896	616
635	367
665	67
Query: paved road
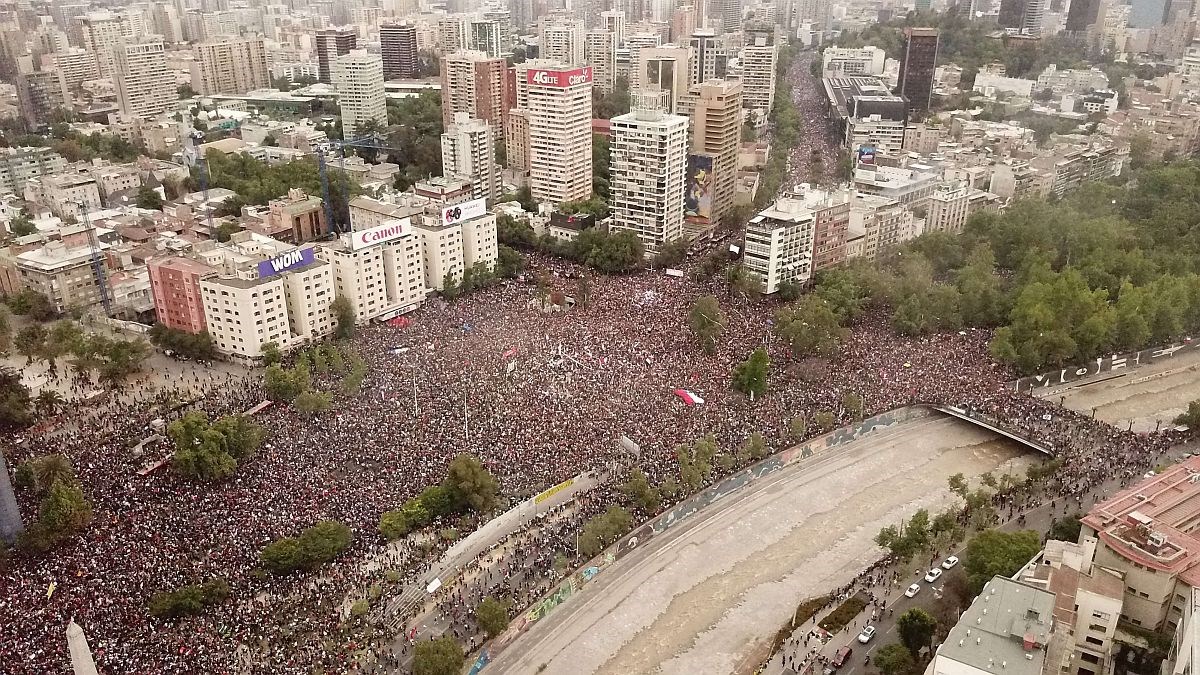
704	597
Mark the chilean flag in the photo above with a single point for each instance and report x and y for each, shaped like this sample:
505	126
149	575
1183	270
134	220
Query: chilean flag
690	398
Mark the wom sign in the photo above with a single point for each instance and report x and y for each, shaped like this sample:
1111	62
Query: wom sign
285	262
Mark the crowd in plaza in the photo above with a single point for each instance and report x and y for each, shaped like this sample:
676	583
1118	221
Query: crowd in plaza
538	396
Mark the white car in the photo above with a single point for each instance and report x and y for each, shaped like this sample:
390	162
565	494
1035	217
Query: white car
866	634
933	574
912	590
950	562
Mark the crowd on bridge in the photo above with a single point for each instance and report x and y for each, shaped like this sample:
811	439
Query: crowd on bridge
538	395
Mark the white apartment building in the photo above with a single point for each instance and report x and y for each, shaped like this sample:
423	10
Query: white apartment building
948	208
99	33
849	61
634	43
648	171
145	86
600	52
779	244
1071	81
78	65
66	194
241	314
562	41
452	33
667	69
231	66
709	57
19	165
614	22
882	133
911	186
379	270
358	78
451	245
560	133
469	152
758	77
485	37
883	222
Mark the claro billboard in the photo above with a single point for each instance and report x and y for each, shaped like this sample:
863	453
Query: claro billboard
284	262
559	78
377	235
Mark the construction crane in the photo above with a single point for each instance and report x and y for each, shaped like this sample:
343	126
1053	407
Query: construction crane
97	260
323	150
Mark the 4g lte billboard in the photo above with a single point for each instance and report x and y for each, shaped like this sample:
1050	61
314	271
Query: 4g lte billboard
559	78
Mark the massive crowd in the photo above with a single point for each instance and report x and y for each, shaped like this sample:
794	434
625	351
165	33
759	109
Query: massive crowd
537	395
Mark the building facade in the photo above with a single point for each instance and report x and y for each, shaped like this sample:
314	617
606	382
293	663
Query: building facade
358	77
332	43
779	244
648	170
917	63
231	66
476	84
469	152
398	47
145	86
560	133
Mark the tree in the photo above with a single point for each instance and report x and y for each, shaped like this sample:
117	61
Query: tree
14	400
312	403
810	328
750	377
603	530
1066	529
31	341
916	628
509	263
315	546
958	485
671	253
65	510
148	198
48	402
442	656
894	659
188	600
343	313
281	384
270	353
242	436
185	91
995	553
707	322
201	452
21	225
853	403
583	291
471	483
1190	418
638	490
493	616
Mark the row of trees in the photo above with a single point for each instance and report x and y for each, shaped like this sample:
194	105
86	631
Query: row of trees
316	546
786	127
63	510
197	346
31	304
113	359
610	253
257	182
468	486
188	600
211	451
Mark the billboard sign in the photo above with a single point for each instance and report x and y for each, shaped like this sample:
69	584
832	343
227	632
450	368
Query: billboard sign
697	197
559	78
284	262
377	235
457	213
866	154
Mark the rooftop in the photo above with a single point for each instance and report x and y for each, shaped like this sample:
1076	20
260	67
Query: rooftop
839	91
1156	523
1006	629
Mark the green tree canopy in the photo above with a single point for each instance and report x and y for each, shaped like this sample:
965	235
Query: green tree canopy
916	629
442	656
996	553
707	322
750	376
809	328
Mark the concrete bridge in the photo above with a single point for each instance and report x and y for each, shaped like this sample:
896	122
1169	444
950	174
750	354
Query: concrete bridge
992	425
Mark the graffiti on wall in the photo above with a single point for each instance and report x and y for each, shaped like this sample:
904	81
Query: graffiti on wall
1104	364
689	507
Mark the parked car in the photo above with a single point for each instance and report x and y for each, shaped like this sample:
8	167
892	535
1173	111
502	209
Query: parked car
933	574
842	656
866	634
950	562
912	590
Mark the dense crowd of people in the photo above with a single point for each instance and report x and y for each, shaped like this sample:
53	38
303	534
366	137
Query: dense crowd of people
537	395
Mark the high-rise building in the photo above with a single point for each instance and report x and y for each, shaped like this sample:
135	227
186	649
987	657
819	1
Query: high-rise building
503	19
78	65
562	41
725	15
758	76
648	168
145	86
614	21
917	63
716	133
332	43
40	93
600	52
683	23
815	12
358	79
469	152
485	37
99	32
635	43
560	133
476	84
709	57
452	34
665	69
398	47
1025	16
779	244
231	66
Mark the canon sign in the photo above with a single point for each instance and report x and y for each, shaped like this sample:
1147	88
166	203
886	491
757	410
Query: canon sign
560	78
378	235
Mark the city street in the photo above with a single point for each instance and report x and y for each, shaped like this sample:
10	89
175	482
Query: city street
816	157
